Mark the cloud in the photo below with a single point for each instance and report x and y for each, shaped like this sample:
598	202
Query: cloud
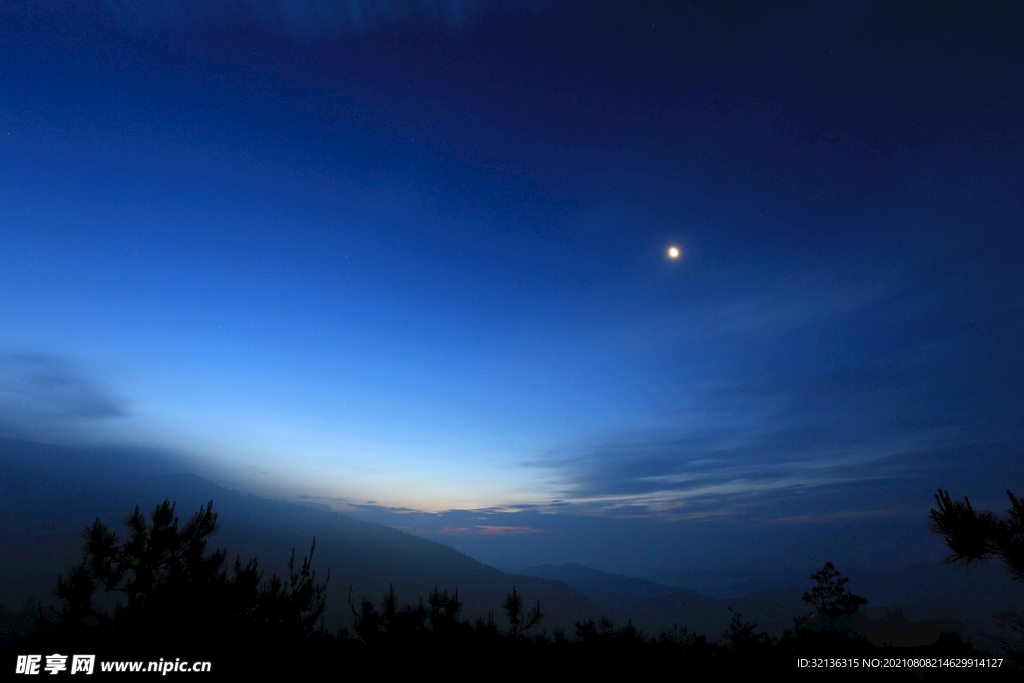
303	19
756	444
490	530
864	394
40	386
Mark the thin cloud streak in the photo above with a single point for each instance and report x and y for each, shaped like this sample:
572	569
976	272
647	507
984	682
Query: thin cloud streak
41	385
859	390
302	19
491	530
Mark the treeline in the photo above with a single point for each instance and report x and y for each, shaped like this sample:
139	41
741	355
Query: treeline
159	593
436	628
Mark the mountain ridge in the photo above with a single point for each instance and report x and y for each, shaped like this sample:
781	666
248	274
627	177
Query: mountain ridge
54	492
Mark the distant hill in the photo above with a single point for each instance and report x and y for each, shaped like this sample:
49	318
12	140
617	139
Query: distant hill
51	493
595	583
654	607
906	607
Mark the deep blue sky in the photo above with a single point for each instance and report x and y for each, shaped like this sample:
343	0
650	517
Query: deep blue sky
409	259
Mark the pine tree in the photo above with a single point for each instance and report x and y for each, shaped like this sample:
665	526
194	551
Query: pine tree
830	595
172	590
974	537
520	621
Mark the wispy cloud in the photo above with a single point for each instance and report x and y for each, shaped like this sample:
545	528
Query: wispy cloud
49	387
794	392
490	530
301	19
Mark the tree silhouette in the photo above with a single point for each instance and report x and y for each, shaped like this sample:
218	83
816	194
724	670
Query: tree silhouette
405	625
444	611
174	591
974	537
830	595
743	635
520	621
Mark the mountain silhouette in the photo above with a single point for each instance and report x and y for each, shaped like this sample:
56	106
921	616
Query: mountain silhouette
52	492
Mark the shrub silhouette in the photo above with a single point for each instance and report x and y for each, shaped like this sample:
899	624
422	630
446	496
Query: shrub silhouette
392	625
444	611
743	636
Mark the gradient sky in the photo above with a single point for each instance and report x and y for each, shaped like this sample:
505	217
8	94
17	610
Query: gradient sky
408	259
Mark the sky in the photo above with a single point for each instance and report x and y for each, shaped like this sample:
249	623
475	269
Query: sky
410	260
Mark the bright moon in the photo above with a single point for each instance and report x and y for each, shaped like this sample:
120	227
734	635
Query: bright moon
673	252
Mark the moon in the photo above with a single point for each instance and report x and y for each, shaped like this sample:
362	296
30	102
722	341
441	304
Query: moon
674	252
